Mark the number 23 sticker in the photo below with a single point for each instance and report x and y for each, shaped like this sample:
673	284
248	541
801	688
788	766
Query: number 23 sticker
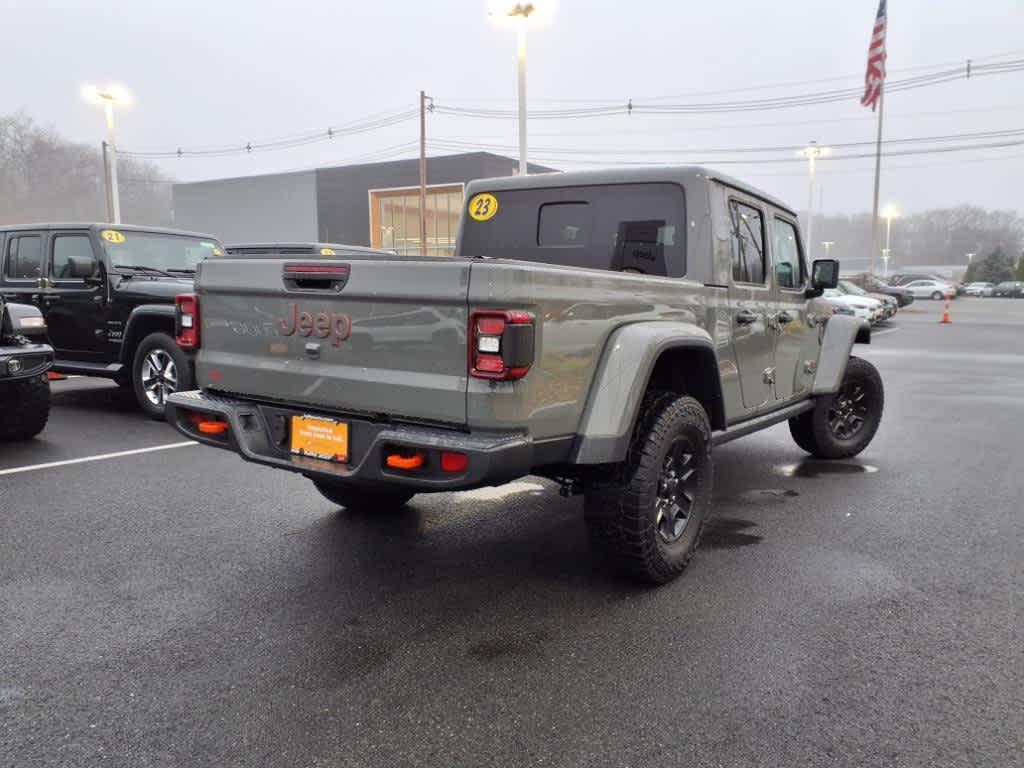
483	207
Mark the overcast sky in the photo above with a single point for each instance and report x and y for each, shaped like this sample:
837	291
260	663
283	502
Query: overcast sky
213	72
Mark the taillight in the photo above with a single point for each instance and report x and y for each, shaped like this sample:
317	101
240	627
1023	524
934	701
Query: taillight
501	344
186	320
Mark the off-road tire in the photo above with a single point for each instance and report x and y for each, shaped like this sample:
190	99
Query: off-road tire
812	430
621	503
363	499
24	408
161	343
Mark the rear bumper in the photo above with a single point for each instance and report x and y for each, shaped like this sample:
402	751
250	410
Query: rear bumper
28	360
259	432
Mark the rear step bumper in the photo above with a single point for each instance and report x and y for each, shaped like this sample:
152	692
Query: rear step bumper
258	432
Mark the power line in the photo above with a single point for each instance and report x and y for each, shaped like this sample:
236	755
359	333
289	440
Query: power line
630	106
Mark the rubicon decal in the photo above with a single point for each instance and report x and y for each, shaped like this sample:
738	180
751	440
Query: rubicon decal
334	325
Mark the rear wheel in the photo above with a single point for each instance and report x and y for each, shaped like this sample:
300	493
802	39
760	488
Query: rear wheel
646	515
24	408
159	370
842	425
936	296
357	499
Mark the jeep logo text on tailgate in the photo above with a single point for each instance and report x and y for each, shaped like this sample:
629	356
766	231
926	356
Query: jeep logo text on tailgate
336	325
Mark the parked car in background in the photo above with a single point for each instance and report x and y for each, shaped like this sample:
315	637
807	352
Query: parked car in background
107	294
902	278
889	304
979	289
930	289
1011	288
864	307
873	284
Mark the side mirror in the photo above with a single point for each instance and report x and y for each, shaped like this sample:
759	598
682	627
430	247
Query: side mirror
824	275
81	268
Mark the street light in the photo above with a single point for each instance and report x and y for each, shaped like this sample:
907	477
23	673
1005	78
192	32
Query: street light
108	97
828	246
812	152
520	13
889	213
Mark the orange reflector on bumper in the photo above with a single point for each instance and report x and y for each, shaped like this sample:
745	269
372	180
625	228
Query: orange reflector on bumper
212	427
397	461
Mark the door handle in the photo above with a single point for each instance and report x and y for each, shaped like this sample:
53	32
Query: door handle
746	317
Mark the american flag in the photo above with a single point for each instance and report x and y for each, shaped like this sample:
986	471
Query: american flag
875	75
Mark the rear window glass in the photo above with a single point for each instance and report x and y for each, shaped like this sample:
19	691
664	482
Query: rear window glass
622	227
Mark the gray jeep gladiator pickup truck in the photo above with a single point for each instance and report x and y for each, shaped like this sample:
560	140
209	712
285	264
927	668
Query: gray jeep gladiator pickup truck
603	329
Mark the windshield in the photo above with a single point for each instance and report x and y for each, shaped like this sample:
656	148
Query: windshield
856	290
154	250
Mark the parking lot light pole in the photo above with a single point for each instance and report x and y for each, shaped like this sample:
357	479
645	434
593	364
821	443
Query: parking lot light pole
827	244
108	97
812	152
890	213
521	13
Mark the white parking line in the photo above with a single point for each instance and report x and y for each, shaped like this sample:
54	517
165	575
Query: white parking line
883	332
97	457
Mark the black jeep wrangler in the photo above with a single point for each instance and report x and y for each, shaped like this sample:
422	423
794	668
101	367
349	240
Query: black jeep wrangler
25	357
107	294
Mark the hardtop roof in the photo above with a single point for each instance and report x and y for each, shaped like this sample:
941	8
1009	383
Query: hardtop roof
99	225
681	174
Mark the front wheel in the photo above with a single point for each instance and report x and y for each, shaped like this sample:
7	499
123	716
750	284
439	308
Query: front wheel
842	425
159	370
646	515
936	296
24	408
356	499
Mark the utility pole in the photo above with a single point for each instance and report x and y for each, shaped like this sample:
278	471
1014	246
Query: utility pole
106	182
423	173
115	195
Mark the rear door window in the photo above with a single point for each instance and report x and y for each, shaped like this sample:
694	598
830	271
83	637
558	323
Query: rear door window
747	228
621	227
24	257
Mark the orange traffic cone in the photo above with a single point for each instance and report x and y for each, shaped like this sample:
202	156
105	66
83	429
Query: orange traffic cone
946	318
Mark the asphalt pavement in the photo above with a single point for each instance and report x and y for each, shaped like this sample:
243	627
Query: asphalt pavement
183	608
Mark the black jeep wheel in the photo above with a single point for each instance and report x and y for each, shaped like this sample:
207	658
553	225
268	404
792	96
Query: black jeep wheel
646	516
24	408
842	425
356	499
159	369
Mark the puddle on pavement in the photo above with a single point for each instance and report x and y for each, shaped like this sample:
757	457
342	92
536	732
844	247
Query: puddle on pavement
767	495
728	533
815	468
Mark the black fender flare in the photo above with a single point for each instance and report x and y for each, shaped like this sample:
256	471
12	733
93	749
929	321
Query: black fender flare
139	325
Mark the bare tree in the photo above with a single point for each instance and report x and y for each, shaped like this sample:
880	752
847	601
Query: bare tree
44	177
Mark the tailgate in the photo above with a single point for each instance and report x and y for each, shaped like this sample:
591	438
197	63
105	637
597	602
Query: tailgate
373	335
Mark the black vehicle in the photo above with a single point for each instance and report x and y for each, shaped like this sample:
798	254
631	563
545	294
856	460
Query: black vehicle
107	295
872	284
1011	288
25	357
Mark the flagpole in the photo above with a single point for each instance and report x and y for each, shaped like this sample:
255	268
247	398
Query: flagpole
878	172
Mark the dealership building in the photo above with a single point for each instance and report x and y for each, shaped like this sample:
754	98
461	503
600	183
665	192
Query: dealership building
376	204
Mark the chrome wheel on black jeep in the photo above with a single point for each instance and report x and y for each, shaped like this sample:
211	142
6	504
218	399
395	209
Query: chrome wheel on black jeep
160	369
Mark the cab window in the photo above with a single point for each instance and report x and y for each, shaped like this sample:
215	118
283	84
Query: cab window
789	264
746	226
24	258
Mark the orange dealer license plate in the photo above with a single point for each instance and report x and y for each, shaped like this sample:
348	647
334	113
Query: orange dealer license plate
320	438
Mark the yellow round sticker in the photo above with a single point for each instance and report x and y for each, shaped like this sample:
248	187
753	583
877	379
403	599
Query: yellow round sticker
483	207
112	236
327	252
